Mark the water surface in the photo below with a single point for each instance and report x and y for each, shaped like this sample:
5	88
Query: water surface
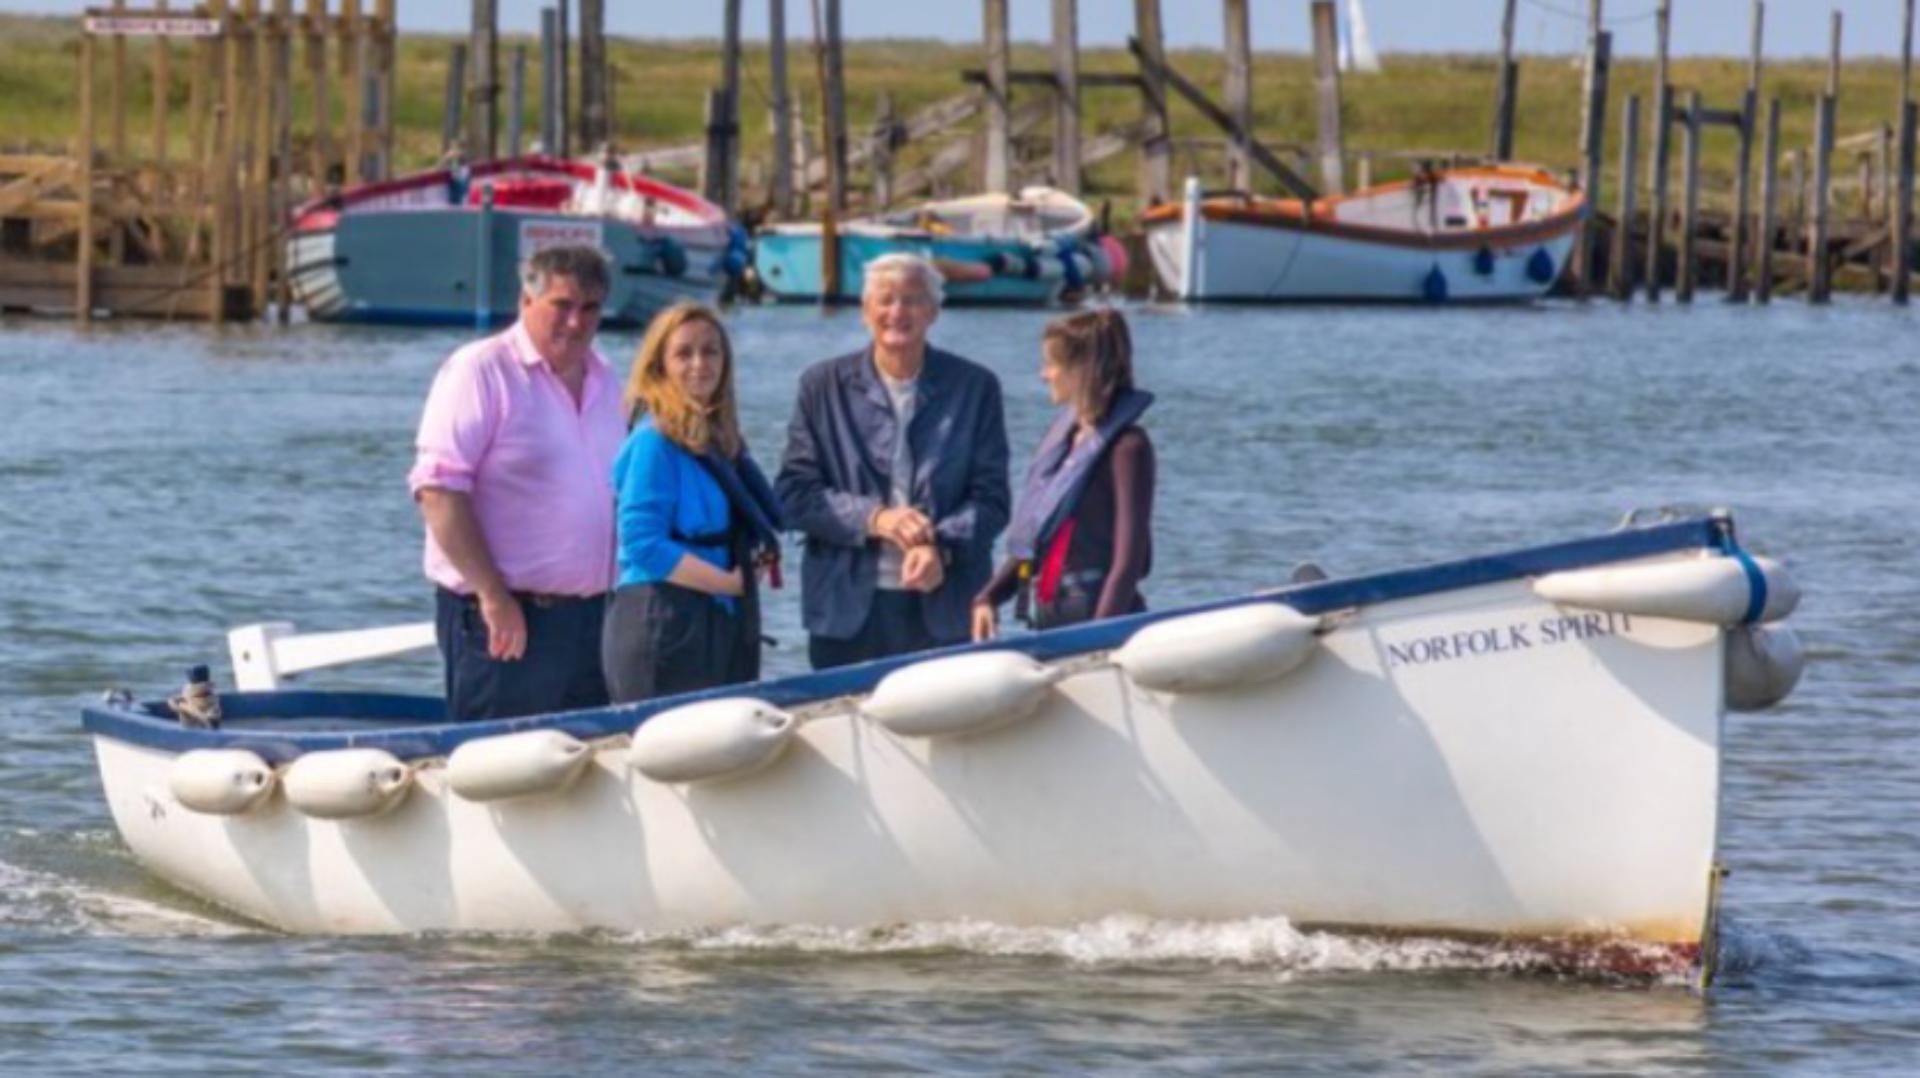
159	485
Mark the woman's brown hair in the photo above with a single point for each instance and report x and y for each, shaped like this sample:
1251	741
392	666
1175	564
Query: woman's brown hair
1099	344
693	426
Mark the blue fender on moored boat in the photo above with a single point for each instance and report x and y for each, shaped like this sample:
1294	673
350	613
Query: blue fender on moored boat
669	257
1483	261
1540	267
1435	285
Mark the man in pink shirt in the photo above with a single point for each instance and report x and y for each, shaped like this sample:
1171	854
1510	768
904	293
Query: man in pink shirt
513	474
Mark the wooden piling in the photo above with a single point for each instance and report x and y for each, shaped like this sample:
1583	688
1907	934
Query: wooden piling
483	53
595	118
1769	196
320	153
162	48
713	154
550	81
1883	174
222	233
259	229
1066	96
240	121
728	189
1505	90
1592	146
1621	264
1328	146
117	90
802	151
781	109
1899	247
385	52
1742	225
1661	149
353	86
450	108
998	166
1797	189
826	52
1689	269
1239	90
517	102
1156	142
280	204
564	127
835	115
372	104
83	269
880	155
1819	265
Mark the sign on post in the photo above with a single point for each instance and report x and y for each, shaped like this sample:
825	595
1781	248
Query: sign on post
152	25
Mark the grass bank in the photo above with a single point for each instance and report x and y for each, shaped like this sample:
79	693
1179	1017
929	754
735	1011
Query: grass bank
1423	102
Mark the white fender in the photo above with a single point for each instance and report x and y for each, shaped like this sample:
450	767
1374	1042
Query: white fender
516	765
1763	664
1221	649
1712	590
961	694
714	739
220	782
340	784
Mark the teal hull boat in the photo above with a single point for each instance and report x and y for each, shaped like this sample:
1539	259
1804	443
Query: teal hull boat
1034	248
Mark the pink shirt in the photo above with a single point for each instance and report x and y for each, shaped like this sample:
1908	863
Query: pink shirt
502	428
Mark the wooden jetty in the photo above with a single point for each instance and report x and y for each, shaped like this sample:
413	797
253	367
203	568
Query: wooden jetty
154	224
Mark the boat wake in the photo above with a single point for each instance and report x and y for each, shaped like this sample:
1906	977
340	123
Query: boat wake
47	902
1265	942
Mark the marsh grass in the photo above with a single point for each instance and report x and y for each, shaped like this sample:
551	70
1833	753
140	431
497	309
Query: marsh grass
1422	102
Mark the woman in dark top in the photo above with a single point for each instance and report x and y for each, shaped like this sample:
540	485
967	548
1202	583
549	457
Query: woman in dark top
1081	538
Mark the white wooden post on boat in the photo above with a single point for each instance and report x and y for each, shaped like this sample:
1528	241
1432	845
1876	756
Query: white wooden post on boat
1190	225
265	655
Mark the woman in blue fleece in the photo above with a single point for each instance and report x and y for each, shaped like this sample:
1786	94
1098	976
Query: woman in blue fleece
694	517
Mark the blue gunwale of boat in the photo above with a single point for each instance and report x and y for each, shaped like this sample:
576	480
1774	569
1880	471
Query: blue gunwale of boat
412	727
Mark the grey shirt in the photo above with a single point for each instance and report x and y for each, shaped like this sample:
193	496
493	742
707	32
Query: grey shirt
900	489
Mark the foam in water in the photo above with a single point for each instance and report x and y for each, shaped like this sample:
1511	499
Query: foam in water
49	902
1272	942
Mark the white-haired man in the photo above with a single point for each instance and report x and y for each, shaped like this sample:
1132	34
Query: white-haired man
513	474
896	472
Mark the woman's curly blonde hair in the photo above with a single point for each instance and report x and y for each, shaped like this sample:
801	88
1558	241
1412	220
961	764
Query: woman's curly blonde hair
694	426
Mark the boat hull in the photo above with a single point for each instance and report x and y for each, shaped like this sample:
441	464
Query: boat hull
461	267
1466	759
1485	234
789	267
1258	263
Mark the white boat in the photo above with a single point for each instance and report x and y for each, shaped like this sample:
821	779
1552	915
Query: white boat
1484	234
1525	745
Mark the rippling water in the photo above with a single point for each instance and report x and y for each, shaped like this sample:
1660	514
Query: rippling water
159	485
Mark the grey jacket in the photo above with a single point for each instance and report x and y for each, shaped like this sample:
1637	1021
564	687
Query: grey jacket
838	470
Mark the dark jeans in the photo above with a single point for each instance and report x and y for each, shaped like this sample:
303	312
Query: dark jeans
663	639
895	625
559	672
1075	602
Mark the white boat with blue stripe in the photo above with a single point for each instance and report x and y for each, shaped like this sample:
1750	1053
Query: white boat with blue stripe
1523	745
